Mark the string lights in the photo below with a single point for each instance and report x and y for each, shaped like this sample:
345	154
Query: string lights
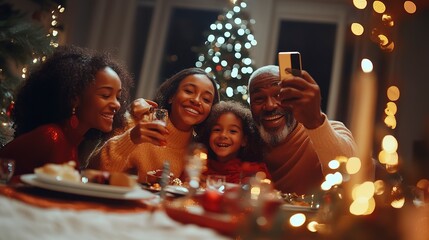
382	24
53	35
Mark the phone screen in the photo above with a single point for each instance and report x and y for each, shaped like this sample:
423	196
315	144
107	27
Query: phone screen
289	64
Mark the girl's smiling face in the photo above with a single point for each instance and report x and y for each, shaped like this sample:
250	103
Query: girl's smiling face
227	137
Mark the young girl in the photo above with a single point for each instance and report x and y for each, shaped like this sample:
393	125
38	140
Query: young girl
74	96
232	137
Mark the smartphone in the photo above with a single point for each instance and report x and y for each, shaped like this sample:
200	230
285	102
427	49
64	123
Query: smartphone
289	64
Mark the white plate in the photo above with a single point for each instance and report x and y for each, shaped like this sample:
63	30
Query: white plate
86	186
135	194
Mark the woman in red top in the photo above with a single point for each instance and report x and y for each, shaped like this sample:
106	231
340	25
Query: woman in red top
232	138
74	96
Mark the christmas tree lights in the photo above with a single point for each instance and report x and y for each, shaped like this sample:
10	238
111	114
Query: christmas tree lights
226	54
23	43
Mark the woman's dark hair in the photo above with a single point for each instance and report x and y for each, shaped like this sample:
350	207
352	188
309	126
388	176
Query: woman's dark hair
48	94
248	153
170	86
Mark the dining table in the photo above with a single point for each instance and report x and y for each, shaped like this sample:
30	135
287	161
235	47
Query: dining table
32	209
31	212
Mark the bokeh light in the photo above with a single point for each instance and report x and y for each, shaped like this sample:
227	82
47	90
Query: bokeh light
366	65
379	6
360	4
410	7
357	29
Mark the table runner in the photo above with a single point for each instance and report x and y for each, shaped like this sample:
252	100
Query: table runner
51	199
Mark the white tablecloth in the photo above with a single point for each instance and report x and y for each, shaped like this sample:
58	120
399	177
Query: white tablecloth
19	220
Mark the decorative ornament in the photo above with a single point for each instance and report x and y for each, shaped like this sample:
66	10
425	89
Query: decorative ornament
74	121
10	108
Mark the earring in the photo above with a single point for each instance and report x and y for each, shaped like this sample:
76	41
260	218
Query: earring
74	121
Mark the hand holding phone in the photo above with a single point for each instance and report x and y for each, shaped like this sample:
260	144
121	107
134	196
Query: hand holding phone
289	65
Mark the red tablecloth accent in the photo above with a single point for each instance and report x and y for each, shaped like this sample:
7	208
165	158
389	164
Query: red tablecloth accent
50	199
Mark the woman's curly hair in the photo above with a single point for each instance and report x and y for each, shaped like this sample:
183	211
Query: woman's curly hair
248	153
169	87
47	96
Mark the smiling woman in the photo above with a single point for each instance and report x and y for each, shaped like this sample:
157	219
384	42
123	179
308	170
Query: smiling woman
74	96
145	146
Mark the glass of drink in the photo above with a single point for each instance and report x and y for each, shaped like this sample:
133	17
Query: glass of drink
216	182
7	168
160	116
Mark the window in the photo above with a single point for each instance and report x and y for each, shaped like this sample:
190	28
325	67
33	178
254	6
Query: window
315	42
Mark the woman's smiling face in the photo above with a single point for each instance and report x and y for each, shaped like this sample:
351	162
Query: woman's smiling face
192	102
99	102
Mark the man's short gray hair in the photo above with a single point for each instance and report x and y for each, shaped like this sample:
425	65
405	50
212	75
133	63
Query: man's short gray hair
268	70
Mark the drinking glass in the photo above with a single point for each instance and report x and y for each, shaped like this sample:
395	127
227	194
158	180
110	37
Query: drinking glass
216	182
196	160
160	116
7	168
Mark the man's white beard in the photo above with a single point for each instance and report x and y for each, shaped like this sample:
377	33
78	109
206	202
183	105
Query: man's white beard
274	138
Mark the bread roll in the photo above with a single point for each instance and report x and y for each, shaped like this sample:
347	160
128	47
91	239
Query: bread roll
121	179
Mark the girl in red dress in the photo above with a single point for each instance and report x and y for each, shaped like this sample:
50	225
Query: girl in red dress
232	137
74	96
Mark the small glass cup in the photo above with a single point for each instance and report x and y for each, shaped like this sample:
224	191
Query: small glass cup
216	182
160	116
7	169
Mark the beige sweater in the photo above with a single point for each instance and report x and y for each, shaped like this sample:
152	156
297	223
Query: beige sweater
299	163
121	154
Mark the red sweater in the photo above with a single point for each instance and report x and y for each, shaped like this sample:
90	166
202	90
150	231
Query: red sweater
235	170
45	144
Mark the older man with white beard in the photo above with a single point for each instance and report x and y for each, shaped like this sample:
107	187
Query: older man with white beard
299	140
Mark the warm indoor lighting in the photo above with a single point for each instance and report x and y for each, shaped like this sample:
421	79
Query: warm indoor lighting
297	220
393	93
387	20
410	7
390	121
359	207
312	226
383	39
391	109
388	48
399	203
379	187
357	29
366	65
364	190
353	165
379	6
360	4
334	164
389	144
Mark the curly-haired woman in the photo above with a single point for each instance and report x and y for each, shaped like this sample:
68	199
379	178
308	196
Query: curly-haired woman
74	96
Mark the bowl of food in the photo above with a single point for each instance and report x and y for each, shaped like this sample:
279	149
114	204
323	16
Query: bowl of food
155	176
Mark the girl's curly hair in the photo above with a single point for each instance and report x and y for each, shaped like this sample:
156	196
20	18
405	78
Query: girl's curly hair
248	153
47	95
170	86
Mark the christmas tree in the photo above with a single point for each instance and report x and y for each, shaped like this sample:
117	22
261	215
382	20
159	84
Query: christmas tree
23	42
226	55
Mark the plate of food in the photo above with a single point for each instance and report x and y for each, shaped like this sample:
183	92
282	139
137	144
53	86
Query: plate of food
65	175
83	189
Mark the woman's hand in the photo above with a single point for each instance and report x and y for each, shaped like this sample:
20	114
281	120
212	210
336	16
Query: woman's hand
141	107
150	132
